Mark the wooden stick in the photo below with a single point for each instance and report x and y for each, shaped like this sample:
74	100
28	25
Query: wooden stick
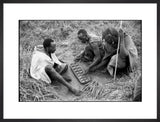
117	54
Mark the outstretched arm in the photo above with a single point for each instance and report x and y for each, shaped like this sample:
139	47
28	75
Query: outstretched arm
105	59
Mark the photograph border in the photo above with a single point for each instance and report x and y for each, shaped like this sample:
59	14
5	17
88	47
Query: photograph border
79	1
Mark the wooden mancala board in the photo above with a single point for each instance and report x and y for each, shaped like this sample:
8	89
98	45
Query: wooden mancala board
79	73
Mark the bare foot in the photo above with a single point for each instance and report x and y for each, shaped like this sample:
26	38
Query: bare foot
76	92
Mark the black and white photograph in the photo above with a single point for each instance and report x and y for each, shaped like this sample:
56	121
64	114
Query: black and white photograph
80	60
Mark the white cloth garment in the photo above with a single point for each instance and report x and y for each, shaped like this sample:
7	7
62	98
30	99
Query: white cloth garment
39	61
133	56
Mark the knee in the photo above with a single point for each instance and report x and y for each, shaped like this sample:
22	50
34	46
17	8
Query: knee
87	48
123	54
51	72
48	68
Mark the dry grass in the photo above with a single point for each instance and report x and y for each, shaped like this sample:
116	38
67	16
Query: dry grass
33	33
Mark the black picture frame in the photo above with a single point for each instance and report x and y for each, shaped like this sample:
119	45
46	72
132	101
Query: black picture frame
79	1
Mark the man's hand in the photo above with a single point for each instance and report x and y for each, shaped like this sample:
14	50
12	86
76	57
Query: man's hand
120	32
86	71
78	58
121	35
89	70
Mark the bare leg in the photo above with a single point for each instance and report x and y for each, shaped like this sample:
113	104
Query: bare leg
56	76
121	64
66	77
62	71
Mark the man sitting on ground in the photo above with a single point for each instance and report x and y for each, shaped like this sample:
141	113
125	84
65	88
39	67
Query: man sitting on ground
127	55
45	65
